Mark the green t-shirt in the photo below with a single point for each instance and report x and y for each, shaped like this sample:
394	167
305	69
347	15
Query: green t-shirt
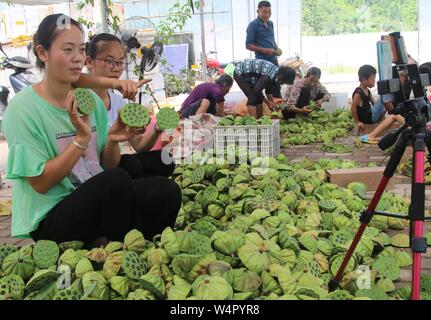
36	132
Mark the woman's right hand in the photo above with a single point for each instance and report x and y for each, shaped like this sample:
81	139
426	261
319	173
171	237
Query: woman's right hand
81	124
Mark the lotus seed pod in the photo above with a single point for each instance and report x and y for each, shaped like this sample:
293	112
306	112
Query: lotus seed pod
84	101
179	291
12	286
386	285
395	223
404	259
170	242
119	285
167	119
70	257
428	236
45	253
270	285
114	246
75	245
387	267
135	241
374	294
20	263
218	268
97	255
141	294
341	295
243	280
401	240
153	284
82	267
227	242
322	262
96	280
133	265
212	288
134	115
40	279
68	294
5	250
113	264
157	257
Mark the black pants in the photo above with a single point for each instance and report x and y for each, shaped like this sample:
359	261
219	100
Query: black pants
111	204
254	93
146	164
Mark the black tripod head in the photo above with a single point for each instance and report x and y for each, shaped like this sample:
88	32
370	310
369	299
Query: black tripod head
406	90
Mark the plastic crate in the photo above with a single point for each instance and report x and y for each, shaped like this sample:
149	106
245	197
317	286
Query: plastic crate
255	138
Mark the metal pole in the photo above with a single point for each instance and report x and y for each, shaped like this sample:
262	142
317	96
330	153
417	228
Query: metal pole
203	55
231	27
104	17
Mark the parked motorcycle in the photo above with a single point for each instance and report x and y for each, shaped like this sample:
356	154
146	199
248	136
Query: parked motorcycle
216	68
21	77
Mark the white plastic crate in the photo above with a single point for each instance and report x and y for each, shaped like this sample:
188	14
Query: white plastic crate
255	138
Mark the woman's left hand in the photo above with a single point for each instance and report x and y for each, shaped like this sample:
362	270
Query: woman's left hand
119	132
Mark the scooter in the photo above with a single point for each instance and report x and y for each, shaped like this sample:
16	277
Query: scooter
21	77
216	68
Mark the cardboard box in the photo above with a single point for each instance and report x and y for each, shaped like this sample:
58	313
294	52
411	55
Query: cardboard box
370	176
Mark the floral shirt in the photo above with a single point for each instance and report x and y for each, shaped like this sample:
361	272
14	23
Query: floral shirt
294	91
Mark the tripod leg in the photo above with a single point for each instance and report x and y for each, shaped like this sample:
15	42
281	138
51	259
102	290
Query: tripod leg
417	213
366	217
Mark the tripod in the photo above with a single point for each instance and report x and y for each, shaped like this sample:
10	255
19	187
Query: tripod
416	114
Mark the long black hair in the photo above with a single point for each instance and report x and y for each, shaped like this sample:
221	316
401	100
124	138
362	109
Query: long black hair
48	30
93	47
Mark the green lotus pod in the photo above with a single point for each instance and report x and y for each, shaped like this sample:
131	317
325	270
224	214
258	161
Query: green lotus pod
199	245
379	222
322	262
328	205
218	268
238	190
387	267
204	227
309	243
201	267
305	256
113	264
365	247
133	265
243	280
5	250
215	211
306	294
68	294
70	257
212	288
167	119
396	224
383	239
259	214
141	294
401	240
170	242
324	246
227	242
428	236
341	295
134	241
270	285
288	242
223	184
96	280
374	294
232	259
386	285
114	246
336	261
182	264
180	290
82	267
307	206
12	286
342	238
256	254
134	115
355	205
290	198
45	253
271	222
20	263
157	257
46	293
85	101
41	279
404	259
97	255
153	284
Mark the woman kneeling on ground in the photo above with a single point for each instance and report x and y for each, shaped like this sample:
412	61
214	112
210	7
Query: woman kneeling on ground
66	181
106	58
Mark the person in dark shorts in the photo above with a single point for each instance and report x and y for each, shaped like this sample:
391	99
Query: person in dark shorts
207	98
255	75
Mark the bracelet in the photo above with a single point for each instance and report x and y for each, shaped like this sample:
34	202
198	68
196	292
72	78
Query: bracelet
79	146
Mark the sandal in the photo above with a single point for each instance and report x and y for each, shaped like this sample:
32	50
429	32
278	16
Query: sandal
364	139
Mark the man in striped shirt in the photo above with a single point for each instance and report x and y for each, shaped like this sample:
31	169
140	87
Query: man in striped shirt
254	76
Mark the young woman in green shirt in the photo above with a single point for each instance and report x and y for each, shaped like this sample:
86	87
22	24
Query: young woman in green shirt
66	181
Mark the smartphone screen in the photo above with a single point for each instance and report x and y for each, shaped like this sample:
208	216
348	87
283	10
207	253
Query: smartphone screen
385	58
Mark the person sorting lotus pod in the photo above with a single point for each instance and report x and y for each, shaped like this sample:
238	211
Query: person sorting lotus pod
63	157
255	75
106	58
303	93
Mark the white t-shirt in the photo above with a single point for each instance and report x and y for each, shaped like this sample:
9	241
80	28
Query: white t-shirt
117	102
